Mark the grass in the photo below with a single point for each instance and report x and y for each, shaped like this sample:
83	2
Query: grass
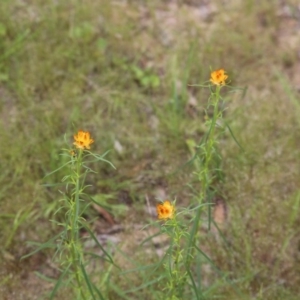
124	71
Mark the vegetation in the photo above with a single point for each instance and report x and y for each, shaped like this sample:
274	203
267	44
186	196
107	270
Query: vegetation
129	72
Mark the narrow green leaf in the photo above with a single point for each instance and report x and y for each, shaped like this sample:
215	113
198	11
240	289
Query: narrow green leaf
48	244
233	135
59	281
57	169
98	292
87	280
99	245
194	285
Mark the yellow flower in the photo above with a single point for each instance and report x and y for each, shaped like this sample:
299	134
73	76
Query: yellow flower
218	77
83	140
165	210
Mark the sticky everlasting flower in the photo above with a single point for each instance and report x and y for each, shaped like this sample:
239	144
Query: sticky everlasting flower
218	77
165	210
83	140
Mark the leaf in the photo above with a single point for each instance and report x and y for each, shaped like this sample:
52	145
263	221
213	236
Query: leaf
233	135
88	282
99	245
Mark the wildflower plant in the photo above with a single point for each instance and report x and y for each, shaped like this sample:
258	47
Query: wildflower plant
70	254
205	157
183	247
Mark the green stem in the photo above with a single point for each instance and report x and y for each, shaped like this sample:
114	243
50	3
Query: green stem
75	255
75	228
210	142
177	258
177	278
204	177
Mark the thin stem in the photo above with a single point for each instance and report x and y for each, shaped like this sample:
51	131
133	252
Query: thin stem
177	279
77	193
74	243
204	177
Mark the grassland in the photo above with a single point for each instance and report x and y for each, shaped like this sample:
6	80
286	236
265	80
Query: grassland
125	71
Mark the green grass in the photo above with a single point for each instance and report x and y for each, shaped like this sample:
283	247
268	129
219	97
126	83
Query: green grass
124	72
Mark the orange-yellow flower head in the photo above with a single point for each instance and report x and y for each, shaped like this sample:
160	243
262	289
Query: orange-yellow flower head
218	77
165	210
83	140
